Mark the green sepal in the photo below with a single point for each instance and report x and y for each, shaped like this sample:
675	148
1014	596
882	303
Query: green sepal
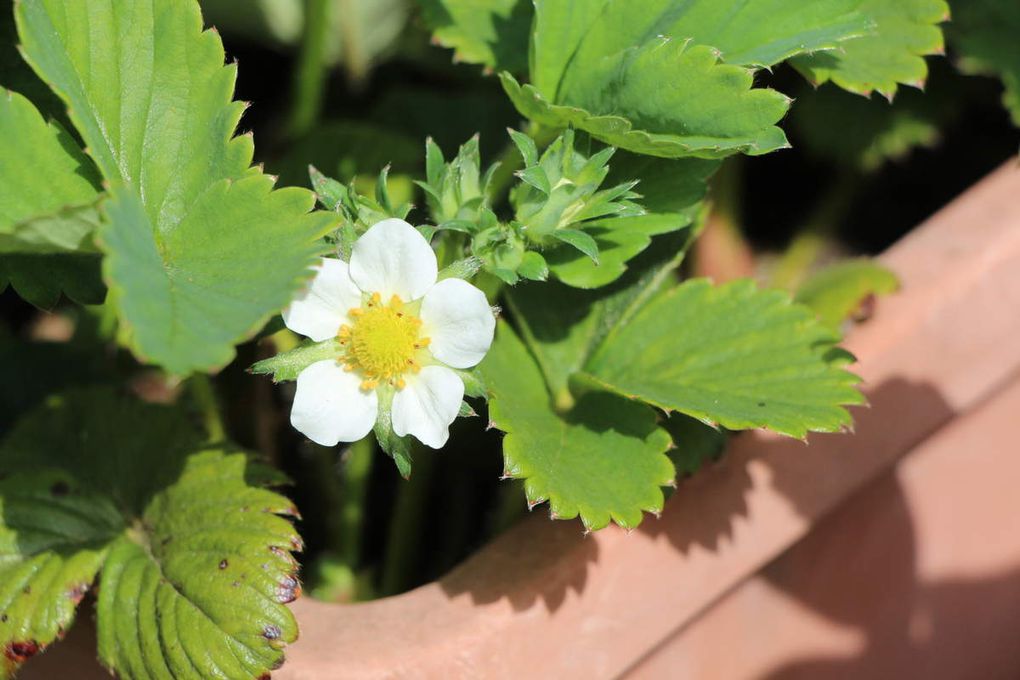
288	365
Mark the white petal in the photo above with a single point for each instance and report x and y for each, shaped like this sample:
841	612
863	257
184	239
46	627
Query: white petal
321	308
427	405
330	406
393	258
457	318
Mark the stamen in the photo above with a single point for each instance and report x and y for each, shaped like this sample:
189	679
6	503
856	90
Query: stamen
381	342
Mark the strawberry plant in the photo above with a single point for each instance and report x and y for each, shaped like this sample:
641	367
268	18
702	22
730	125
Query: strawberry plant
404	274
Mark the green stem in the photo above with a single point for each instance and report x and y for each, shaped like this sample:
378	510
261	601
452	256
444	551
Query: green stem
811	239
310	74
353	494
404	541
204	396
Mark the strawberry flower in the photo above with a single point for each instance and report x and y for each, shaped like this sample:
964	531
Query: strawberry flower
400	332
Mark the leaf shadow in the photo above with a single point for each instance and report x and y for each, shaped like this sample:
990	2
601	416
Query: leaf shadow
542	561
535	561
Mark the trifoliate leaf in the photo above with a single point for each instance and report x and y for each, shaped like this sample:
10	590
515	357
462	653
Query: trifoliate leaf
197	587
984	32
199	252
904	31
837	292
492	33
563	326
288	365
47	214
603	459
194	560
669	78
731	355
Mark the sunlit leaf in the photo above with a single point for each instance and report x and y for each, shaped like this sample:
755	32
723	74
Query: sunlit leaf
198	251
837	292
904	31
732	355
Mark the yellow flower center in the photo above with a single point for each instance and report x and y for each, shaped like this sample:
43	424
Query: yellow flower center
382	342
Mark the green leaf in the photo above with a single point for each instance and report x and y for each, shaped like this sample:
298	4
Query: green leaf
563	326
288	365
60	176
731	355
53	540
580	241
601	66
872	130
748	127
40	279
836	292
199	252
984	32
47	216
671	191
603	459
197	587
193	555
534	266
492	33
616	241
904	32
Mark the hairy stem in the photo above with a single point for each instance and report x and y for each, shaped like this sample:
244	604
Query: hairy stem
204	396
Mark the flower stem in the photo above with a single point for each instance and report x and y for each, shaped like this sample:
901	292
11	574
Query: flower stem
358	461
310	74
204	397
404	541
